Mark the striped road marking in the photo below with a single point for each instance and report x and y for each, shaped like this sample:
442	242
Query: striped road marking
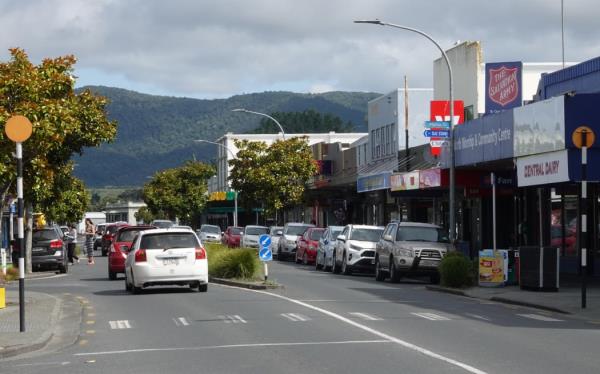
295	317
478	316
540	318
431	316
119	325
181	321
232	319
366	317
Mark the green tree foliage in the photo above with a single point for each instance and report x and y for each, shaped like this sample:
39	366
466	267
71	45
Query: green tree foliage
308	121
64	123
179	192
274	176
144	214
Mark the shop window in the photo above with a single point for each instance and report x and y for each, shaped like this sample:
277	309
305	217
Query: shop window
563	229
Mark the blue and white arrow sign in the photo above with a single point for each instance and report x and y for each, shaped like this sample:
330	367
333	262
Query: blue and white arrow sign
264	240
264	253
437	124
437	133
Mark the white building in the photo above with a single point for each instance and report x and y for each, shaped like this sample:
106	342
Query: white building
225	153
123	211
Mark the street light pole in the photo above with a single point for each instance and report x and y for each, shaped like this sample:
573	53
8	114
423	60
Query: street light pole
452	223
235	195
264	115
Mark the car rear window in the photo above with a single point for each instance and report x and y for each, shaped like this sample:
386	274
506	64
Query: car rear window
45	234
296	230
169	240
316	234
127	235
257	230
211	229
236	230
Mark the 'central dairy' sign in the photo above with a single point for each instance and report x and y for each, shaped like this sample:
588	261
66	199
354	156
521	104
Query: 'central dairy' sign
503	86
545	168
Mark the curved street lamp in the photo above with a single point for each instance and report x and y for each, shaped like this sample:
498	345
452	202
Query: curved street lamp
264	115
452	223
235	195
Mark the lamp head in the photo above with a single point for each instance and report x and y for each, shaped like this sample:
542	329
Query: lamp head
374	22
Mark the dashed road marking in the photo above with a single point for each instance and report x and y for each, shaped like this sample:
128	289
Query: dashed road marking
119	325
478	316
90	332
181	321
431	316
540	317
90	322
232	319
295	317
366	316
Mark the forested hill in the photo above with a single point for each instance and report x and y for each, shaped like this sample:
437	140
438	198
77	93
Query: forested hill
157	132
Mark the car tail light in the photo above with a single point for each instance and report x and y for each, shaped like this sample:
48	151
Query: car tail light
200	253
56	243
140	255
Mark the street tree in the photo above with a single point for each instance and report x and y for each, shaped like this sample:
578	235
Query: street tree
273	176
179	192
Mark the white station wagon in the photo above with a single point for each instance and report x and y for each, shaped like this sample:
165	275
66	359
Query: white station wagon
166	257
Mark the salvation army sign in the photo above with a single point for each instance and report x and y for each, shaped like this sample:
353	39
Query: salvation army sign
545	168
503	86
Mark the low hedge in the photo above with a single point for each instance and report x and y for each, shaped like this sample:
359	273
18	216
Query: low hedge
456	270
237	263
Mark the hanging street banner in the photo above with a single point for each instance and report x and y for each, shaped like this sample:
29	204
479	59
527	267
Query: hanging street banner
504	86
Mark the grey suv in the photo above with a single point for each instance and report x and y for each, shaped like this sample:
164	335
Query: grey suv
410	248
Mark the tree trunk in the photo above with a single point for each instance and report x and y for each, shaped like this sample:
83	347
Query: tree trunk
28	238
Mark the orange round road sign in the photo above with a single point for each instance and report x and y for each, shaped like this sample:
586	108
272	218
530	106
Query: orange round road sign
577	136
18	128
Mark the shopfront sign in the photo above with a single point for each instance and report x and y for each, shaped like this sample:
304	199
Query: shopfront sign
503	86
404	181
373	182
429	178
545	168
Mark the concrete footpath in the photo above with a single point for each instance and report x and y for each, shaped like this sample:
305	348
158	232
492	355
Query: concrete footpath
567	300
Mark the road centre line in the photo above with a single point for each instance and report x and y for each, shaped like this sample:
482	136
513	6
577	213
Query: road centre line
540	317
400	342
256	345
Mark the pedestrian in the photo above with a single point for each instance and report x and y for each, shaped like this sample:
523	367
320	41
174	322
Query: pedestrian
72	244
90	230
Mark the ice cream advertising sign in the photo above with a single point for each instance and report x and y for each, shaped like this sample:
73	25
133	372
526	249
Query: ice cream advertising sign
503	84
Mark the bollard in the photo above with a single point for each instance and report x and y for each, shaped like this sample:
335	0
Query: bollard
2	297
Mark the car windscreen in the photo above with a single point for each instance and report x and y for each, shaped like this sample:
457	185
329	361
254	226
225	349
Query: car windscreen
162	224
296	230
169	240
236	230
127	235
256	230
275	229
335	234
46	234
366	235
316	234
421	234
211	229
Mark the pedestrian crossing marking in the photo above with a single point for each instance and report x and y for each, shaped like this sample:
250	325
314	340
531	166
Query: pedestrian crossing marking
431	316
295	317
366	316
540	317
232	319
119	325
478	316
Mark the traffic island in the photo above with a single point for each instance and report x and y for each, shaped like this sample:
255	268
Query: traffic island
250	284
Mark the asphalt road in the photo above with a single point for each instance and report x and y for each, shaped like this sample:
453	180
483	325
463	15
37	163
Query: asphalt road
319	323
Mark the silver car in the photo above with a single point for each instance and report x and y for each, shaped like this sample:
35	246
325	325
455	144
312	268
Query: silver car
275	232
210	233
355	248
287	243
326	246
250	235
410	248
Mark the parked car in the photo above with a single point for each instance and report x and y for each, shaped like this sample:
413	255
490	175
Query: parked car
275	232
209	233
109	235
120	247
307	245
49	248
166	257
287	242
100	228
250	235
355	248
232	236
410	247
556	239
324	258
162	223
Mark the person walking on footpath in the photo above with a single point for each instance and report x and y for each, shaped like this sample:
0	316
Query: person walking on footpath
72	243
90	230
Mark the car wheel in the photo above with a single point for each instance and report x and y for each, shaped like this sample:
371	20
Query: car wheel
334	267
346	269
379	274
134	289
203	287
394	273
127	285
304	259
112	275
434	278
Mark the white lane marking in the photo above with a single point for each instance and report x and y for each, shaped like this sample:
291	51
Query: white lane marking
540	318
404	343
119	325
478	316
257	345
63	363
181	321
232	319
295	317
431	316
286	315
366	316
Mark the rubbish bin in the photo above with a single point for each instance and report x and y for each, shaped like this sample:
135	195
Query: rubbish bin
539	268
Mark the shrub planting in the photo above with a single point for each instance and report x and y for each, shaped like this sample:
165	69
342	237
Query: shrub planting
456	270
226	262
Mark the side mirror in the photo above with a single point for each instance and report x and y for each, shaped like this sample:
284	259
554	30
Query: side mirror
341	238
279	232
388	238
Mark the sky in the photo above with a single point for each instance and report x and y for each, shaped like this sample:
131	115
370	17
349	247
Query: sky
217	49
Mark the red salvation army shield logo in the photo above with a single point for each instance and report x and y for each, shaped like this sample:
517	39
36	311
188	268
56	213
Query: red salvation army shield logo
503	86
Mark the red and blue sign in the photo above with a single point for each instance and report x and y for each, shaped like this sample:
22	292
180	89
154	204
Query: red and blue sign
503	86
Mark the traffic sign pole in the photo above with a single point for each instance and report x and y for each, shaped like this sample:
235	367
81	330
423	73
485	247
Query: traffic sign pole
583	212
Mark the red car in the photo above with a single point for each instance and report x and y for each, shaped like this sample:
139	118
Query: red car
119	247
232	237
109	234
570	239
308	244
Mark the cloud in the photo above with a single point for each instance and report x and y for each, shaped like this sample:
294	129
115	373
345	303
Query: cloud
221	48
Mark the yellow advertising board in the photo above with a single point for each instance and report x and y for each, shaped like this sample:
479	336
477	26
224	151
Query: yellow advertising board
491	268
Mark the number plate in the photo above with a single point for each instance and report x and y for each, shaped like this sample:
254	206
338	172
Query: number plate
170	261
38	249
428	263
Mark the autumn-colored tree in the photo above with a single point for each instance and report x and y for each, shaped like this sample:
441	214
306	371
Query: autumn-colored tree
179	192
64	123
273	176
